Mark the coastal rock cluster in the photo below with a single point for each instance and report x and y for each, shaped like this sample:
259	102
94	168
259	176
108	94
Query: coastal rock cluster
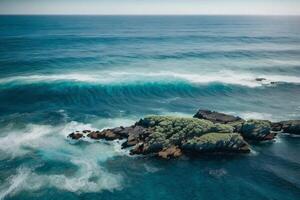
258	130
207	132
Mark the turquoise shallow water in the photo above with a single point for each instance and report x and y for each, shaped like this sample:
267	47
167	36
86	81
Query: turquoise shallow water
64	73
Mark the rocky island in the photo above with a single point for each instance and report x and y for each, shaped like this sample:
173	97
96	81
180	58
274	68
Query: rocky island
207	132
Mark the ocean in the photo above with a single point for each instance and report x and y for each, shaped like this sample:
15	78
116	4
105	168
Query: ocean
59	74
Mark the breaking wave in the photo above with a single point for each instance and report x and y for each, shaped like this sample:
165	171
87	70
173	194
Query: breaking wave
116	78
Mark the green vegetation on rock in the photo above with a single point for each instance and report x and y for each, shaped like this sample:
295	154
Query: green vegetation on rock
256	129
213	138
171	136
168	130
215	142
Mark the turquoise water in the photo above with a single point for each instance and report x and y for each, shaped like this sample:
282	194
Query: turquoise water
64	73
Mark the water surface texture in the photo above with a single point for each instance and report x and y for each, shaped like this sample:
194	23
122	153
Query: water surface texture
59	74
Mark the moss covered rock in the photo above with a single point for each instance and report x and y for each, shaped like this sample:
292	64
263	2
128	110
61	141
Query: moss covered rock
171	125
168	131
217	142
257	130
173	130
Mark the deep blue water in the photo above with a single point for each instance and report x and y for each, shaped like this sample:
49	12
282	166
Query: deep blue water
64	73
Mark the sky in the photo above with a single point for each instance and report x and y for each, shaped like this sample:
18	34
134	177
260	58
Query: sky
151	7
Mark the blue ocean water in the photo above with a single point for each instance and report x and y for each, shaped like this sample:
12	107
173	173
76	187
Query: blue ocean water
59	74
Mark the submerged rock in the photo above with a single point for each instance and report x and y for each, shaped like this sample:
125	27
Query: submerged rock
75	136
260	79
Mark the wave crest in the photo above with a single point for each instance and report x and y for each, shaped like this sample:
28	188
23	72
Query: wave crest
113	78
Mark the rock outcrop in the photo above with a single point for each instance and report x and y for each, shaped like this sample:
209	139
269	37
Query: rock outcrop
76	135
216	117
173	131
290	126
257	130
207	132
170	137
216	142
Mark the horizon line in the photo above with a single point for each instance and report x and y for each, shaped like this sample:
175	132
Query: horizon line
48	14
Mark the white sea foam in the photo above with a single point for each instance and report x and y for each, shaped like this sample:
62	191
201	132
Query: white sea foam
114	77
18	142
14	183
278	140
51	143
89	178
253	152
257	115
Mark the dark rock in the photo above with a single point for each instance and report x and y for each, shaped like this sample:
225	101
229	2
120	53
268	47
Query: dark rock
135	134
257	130
107	134
76	136
270	136
291	126
94	135
123	132
277	126
244	148
145	148
138	149
129	143
216	117
260	79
